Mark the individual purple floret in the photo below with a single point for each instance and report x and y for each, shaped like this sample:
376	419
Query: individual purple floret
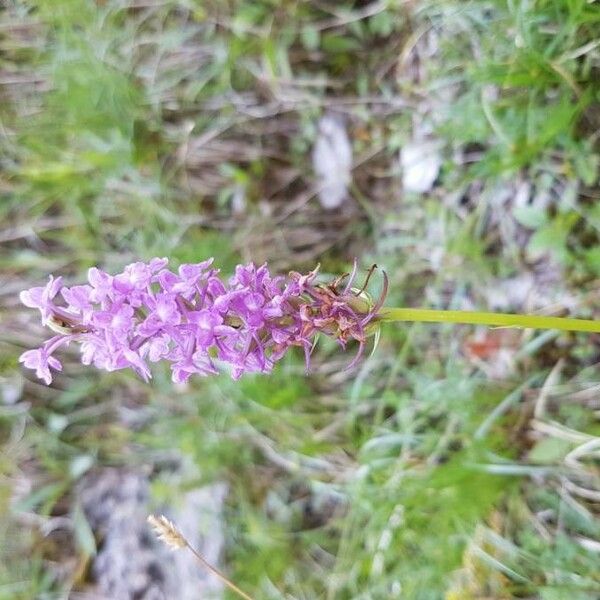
193	319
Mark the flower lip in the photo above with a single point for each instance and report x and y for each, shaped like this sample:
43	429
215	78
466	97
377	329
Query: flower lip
42	297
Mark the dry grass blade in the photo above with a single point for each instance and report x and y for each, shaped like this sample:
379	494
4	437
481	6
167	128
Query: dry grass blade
167	532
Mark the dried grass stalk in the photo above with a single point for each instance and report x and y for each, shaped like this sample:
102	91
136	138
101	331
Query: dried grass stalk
167	532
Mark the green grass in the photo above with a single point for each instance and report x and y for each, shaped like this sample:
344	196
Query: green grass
423	475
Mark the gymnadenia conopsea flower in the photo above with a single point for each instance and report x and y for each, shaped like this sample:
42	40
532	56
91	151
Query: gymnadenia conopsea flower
194	319
197	321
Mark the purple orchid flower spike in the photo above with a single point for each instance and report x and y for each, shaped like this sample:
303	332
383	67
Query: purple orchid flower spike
199	323
196	321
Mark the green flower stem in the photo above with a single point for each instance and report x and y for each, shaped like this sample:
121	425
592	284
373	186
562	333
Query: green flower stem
487	318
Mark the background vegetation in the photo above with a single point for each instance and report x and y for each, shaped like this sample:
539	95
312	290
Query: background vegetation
453	463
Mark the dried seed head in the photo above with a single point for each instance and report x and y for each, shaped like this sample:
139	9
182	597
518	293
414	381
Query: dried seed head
167	532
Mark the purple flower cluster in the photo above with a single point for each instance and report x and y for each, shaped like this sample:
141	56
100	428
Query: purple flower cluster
191	318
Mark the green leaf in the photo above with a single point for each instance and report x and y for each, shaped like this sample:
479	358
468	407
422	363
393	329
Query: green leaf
592	260
549	451
84	536
310	38
338	43
43	497
586	167
531	217
552	238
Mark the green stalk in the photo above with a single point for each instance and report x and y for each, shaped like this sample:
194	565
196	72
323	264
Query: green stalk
487	318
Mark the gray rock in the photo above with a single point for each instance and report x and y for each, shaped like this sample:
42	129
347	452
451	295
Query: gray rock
131	563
